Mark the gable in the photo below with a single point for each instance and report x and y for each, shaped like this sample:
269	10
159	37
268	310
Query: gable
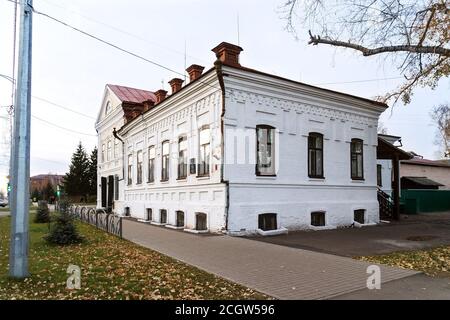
111	100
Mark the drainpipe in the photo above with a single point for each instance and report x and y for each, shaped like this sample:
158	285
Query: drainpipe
218	66
116	135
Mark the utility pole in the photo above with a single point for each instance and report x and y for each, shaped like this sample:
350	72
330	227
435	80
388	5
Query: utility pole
20	178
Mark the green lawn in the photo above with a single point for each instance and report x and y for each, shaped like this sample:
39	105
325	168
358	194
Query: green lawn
4	209
433	262
111	268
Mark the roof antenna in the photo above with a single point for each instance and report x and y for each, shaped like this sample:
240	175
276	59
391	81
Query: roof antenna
238	36
185	61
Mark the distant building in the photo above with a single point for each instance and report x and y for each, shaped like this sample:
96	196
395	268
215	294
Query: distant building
435	170
41	181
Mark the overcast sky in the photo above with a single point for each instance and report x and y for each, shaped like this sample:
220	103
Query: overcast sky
71	69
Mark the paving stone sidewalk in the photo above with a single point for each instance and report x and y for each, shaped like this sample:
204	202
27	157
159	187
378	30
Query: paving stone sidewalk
279	271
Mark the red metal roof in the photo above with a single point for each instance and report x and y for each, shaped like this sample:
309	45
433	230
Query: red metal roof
127	94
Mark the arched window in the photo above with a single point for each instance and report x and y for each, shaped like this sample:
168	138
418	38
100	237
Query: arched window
315	155
357	159
108	108
267	221
204	151
180	219
165	161
182	157
151	164
201	221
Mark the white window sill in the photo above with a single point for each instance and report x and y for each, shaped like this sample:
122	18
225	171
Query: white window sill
361	225
158	223
315	228
204	178
266	178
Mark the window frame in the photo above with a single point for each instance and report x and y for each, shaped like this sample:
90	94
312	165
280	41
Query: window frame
182	167
165	162
268	219
315	174
359	211
320	219
161	211
202	214
380	175
151	164
359	155
258	166
139	167
130	170
204	154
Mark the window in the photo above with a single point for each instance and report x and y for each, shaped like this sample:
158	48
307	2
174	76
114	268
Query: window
116	149
165	161
200	222
204	156
130	169
116	187
163	216
139	167
358	216
149	214
180	219
265	153
315	155
103	152
182	157
108	108
108	154
151	164
379	175
318	219
267	221
356	154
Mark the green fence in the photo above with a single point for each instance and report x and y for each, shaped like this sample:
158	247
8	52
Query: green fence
421	201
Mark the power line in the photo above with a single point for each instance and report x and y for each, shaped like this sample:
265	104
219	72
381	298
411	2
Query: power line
357	81
63	107
63	128
123	31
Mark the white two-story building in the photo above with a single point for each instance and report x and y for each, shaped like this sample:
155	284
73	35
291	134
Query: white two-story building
240	151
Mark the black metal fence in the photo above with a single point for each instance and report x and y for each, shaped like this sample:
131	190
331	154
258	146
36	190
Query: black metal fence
99	218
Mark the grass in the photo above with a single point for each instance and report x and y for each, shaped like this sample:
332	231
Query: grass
433	262
4	209
111	268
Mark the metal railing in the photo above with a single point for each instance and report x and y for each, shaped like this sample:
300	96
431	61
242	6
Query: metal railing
99	218
386	205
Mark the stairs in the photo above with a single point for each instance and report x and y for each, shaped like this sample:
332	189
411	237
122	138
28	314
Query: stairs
386	205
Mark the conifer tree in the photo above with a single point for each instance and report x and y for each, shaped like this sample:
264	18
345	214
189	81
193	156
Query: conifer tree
76	181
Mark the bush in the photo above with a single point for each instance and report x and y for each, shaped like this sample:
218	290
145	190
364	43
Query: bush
43	214
63	230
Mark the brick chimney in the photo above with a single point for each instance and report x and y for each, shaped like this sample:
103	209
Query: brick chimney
148	104
228	53
160	95
176	84
195	71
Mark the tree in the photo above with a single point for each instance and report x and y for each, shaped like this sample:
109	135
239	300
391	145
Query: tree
441	117
63	230
43	214
93	172
415	33
48	192
76	181
36	195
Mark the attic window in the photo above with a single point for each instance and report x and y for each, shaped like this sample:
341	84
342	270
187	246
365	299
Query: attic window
108	108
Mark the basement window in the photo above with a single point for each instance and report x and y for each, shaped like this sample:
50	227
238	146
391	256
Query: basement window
318	219
180	219
149	214
359	216
163	216
267	221
200	222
